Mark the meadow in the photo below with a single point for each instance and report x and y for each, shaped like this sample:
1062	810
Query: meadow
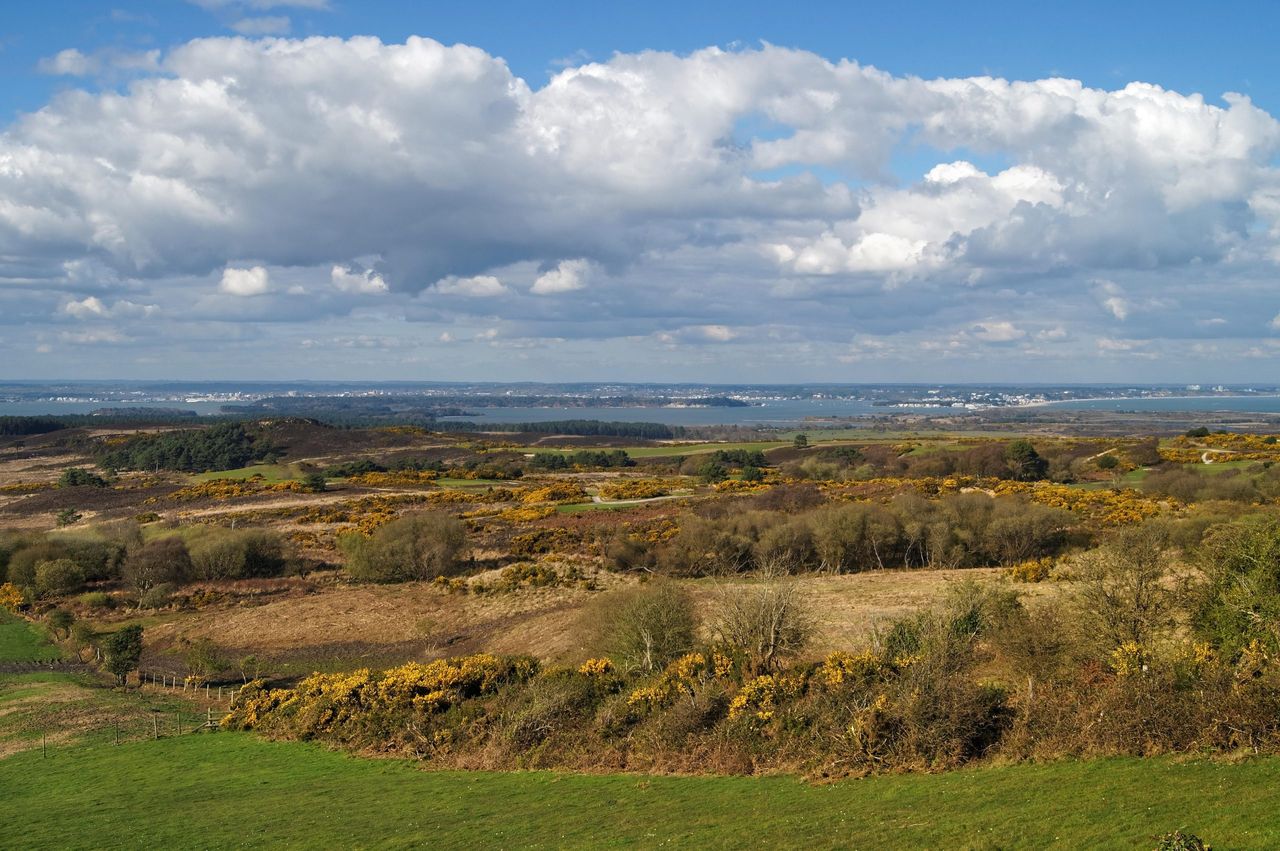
229	790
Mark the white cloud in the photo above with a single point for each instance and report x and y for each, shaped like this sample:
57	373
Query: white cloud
92	307
245	282
998	332
350	281
1112	298
639	182
567	276
698	334
480	286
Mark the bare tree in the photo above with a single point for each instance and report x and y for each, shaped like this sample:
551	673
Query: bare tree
767	621
645	628
1123	592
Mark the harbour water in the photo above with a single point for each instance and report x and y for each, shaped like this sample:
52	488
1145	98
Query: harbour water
773	412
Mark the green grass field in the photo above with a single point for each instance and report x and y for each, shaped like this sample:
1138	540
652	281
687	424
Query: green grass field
234	790
271	473
579	507
23	642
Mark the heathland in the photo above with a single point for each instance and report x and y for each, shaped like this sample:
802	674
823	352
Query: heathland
1086	621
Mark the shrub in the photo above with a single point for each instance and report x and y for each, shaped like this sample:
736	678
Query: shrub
205	659
76	478
1035	570
238	554
156	597
768	623
67	517
60	622
11	597
416	546
1178	840
164	560
1122	593
123	650
61	576
97	600
1240	601
645	628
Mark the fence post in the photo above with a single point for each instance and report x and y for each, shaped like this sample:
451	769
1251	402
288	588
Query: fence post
177	722
155	724
206	691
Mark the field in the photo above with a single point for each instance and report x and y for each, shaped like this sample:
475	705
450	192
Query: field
22	642
912	608
232	790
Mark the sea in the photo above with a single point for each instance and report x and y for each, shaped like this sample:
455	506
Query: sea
774	412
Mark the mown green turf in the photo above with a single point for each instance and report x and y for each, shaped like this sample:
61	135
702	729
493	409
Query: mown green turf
579	507
271	473
23	642
233	790
1221	466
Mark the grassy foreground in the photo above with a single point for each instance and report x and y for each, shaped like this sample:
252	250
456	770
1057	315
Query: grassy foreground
23	642
224	790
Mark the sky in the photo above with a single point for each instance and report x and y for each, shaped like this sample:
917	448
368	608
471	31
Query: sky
713	191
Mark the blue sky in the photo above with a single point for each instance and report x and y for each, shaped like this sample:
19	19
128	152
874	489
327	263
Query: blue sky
640	191
1184	45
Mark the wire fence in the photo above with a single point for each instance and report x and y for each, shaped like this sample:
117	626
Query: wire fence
211	703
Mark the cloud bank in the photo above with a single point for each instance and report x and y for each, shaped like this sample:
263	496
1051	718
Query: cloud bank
742	213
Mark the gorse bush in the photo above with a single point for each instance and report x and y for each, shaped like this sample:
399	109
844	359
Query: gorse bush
1111	669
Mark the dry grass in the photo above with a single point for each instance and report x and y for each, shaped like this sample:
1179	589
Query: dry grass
340	624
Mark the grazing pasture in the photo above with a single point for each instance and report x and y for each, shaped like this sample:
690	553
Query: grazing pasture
228	790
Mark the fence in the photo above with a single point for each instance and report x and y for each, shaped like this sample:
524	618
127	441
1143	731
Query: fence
145	724
165	680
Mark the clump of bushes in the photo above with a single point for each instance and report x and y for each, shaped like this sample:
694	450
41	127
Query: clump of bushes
238	554
1110	669
76	477
412	547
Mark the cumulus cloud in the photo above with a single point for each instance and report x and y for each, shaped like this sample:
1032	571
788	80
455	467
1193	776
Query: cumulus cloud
479	286
1112	299
92	307
567	276
645	184
348	280
245	282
